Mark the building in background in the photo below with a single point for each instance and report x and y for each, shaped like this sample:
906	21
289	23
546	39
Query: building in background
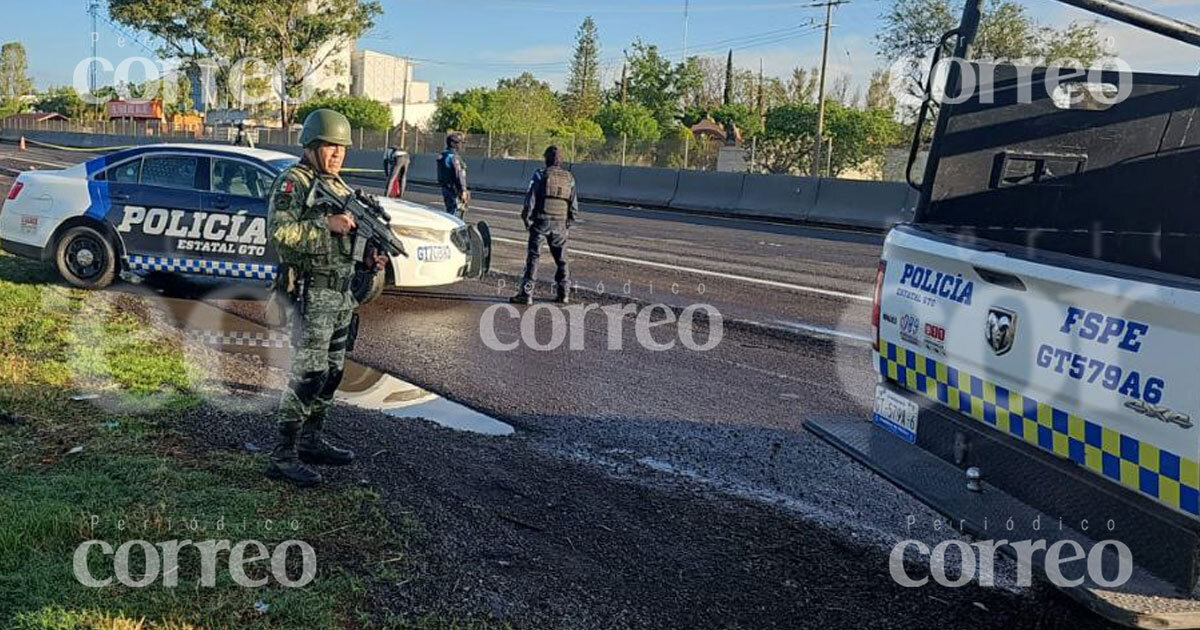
384	78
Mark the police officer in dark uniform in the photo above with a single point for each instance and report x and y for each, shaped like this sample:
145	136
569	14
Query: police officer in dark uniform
452	176
550	209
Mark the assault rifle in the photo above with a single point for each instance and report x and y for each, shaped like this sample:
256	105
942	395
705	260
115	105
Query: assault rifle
373	231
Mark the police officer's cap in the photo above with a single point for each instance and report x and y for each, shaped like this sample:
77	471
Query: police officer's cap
325	125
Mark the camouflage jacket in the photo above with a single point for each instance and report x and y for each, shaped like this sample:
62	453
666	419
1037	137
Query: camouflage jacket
299	231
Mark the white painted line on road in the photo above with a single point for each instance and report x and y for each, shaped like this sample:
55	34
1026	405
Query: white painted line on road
16	158
780	324
715	274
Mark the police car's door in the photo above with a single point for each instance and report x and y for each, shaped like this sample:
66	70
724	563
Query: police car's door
236	200
158	222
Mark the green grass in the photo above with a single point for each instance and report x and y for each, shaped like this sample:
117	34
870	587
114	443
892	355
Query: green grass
136	478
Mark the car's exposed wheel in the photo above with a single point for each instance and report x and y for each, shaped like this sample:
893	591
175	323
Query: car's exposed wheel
86	258
367	286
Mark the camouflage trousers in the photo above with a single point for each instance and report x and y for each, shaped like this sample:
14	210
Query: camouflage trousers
319	339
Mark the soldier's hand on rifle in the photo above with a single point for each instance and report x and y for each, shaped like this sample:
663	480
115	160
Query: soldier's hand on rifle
341	223
381	261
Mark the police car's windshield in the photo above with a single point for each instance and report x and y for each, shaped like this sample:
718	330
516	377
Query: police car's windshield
282	163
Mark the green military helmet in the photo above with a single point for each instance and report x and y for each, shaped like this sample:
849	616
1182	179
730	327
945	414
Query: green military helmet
325	125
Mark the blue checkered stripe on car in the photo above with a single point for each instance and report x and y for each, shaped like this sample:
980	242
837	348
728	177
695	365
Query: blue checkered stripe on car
231	269
1156	473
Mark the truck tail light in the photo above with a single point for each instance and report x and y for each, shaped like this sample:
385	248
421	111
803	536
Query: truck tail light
15	190
876	300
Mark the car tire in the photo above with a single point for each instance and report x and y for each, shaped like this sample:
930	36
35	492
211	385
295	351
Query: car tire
367	286
86	258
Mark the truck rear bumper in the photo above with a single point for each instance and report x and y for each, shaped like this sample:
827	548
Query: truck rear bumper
1024	486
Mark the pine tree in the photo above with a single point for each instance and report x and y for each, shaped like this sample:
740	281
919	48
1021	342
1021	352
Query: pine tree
583	86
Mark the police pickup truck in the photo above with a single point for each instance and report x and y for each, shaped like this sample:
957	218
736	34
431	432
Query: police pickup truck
1038	323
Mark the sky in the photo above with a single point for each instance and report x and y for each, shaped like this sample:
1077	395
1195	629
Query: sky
469	43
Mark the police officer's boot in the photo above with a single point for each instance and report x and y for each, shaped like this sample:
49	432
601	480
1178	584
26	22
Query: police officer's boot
285	461
521	298
313	449
563	296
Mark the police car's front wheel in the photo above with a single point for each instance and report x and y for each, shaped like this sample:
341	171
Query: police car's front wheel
86	258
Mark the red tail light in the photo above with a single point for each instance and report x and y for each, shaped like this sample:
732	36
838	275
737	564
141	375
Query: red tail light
15	190
878	298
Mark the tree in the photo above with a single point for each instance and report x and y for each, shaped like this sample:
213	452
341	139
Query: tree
362	112
1007	32
859	137
632	120
879	91
289	30
14	78
463	111
522	105
802	87
61	100
652	83
583	87
276	31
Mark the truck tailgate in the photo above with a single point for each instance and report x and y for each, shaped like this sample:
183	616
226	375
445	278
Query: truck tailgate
1096	368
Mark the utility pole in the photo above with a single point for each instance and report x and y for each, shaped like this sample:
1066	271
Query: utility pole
93	9
623	90
818	144
404	104
685	30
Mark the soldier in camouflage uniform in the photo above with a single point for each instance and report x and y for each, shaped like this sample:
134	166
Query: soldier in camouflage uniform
316	252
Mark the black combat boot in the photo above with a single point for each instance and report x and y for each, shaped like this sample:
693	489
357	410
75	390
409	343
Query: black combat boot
285	462
315	450
521	298
562	297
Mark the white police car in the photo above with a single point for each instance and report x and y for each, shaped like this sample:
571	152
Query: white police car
201	209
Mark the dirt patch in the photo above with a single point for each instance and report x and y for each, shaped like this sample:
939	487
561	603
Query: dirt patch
519	536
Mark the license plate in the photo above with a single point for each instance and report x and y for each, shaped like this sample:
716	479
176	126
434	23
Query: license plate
433	253
895	413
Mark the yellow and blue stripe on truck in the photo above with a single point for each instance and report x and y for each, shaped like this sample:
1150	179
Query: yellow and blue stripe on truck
1154	472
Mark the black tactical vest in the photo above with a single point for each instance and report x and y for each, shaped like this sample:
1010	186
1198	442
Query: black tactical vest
559	188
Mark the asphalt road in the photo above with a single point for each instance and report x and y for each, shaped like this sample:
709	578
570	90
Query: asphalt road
724	421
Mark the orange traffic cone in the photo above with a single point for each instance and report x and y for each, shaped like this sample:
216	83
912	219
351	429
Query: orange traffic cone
22	147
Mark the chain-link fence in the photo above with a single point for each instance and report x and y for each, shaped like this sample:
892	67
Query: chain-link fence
686	152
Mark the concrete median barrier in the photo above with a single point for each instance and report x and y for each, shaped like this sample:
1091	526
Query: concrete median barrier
866	204
596	182
646	186
499	174
777	196
422	169
860	204
707	192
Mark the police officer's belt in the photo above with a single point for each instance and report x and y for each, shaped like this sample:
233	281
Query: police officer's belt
339	283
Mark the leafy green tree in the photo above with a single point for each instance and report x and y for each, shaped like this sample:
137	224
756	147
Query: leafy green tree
912	29
583	97
633	120
275	31
360	110
522	105
581	129
652	83
61	100
802	86
859	137
14	78
463	111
